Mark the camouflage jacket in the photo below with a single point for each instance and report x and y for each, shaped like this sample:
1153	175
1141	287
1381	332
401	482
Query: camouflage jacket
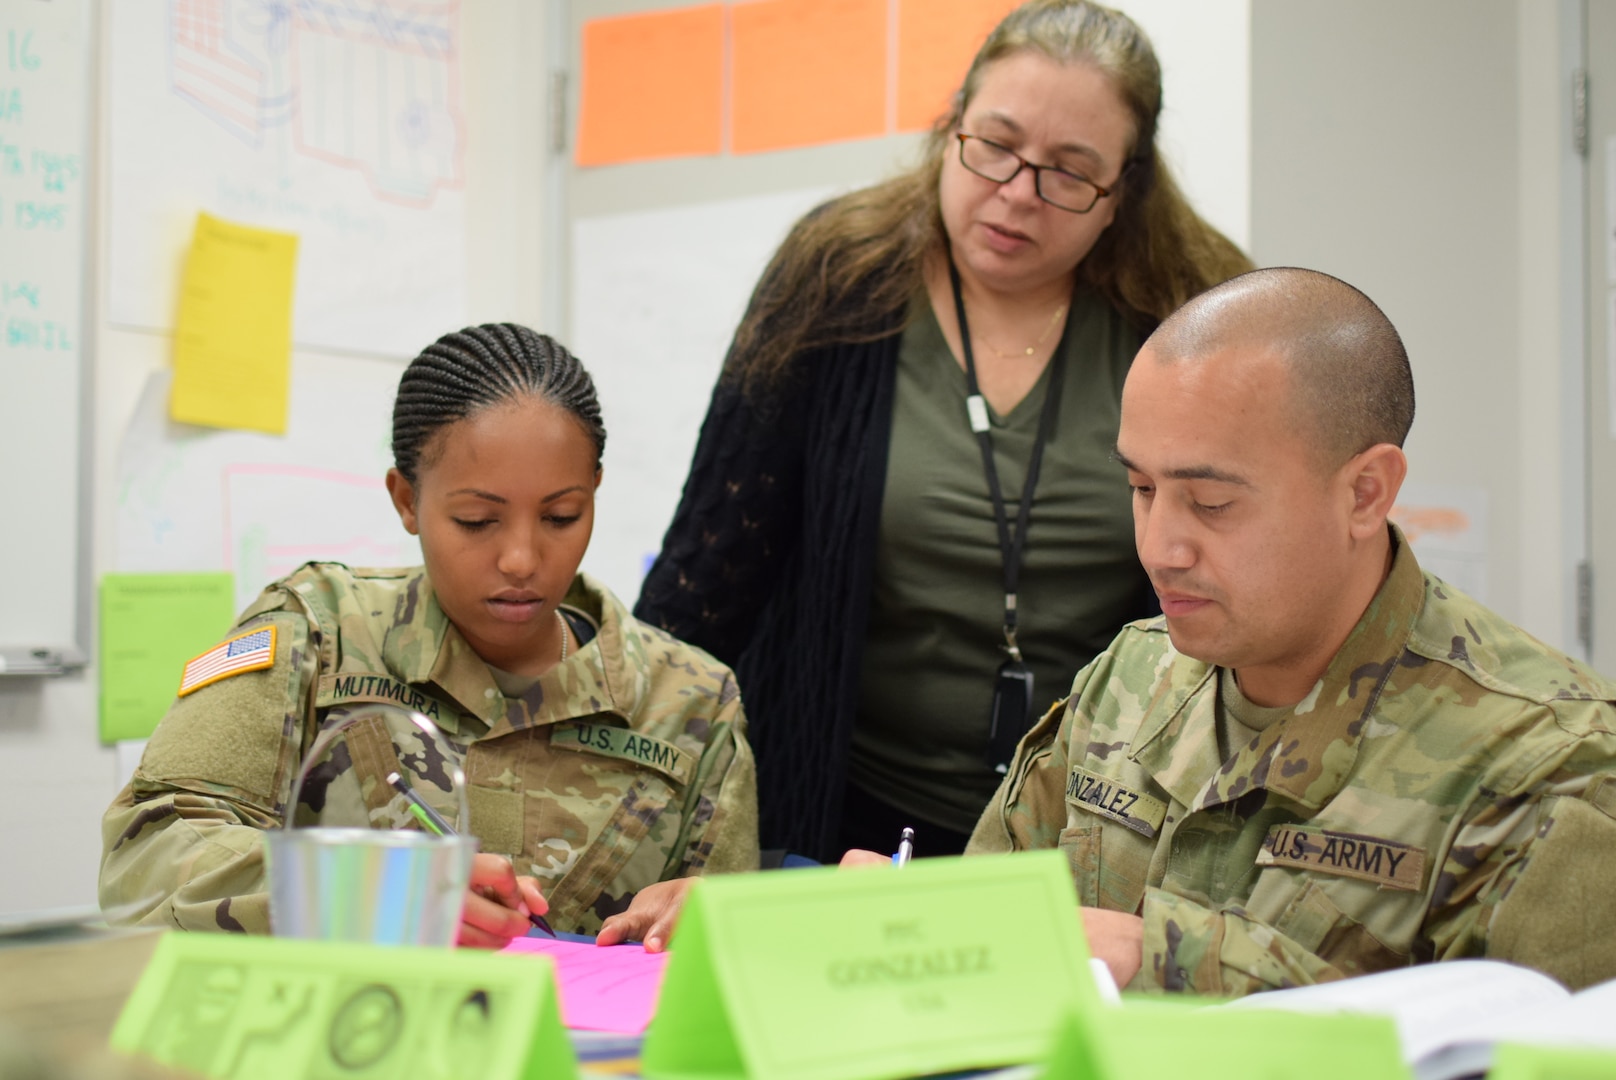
1448	789
624	765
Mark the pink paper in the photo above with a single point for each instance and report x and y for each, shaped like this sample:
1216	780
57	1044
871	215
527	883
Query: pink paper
611	988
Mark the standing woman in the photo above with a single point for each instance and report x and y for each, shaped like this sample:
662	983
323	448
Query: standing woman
604	761
914	347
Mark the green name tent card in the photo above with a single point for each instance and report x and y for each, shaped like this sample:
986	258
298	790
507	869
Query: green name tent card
1513	1062
1191	1038
853	974
151	625
228	1005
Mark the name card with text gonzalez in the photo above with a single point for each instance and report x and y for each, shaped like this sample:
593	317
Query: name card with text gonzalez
228	1005
858	974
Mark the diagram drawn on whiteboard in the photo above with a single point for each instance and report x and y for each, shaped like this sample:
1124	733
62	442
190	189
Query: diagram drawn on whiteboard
266	70
341	121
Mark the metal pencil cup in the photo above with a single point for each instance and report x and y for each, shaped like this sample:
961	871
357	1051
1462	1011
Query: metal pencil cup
376	886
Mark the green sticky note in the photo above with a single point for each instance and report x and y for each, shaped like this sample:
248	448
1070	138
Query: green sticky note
229	1005
1194	1039
1515	1062
831	974
151	624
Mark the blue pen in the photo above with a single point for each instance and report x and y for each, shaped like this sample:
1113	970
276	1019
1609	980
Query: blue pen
433	822
906	848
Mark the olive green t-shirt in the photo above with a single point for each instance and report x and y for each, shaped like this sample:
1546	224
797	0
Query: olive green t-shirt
935	631
1239	718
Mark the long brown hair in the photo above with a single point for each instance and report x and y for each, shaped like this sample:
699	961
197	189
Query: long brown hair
848	271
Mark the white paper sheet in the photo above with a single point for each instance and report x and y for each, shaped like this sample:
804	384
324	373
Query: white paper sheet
260	505
656	297
338	122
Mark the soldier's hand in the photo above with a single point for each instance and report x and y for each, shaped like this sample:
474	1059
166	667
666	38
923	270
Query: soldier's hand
860	857
498	903
650	916
1118	938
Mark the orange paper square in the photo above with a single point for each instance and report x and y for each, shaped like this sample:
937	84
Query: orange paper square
937	40
807	72
653	86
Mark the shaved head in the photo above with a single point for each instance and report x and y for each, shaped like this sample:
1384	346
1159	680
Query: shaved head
1261	429
1350	383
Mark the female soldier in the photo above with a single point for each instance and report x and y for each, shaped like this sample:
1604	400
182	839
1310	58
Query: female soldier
601	755
902	524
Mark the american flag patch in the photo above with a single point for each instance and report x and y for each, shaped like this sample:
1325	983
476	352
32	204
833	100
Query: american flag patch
252	651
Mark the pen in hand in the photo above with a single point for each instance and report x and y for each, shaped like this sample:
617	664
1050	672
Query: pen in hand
433	823
906	848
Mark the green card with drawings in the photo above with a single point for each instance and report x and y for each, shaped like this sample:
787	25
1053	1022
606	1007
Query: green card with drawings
228	1005
830	974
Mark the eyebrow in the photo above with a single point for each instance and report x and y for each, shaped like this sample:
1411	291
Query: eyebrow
1082	149
1188	472
491	497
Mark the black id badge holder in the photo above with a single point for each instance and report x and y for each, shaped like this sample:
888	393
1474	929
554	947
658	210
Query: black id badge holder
1012	686
1012	713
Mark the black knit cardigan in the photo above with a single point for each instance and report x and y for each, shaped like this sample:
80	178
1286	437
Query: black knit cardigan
769	563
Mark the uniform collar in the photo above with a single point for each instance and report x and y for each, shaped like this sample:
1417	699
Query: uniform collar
1306	757
609	675
423	646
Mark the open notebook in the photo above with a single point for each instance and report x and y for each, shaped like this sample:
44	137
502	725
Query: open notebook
1451	1015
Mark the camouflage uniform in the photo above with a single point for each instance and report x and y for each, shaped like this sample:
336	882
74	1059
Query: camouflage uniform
1448	789
624	765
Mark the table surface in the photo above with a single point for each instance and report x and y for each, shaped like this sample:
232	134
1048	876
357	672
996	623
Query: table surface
63	992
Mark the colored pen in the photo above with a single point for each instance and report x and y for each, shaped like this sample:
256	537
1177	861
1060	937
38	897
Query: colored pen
433	822
429	818
906	848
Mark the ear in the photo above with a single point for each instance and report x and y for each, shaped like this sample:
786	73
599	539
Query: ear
599	475
1376	476
402	492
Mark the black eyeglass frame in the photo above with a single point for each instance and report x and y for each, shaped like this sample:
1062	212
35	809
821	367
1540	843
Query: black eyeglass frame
1037	173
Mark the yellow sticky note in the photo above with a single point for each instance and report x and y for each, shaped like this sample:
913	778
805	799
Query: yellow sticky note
233	344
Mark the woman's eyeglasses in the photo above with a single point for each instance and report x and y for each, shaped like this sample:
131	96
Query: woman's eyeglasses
1057	187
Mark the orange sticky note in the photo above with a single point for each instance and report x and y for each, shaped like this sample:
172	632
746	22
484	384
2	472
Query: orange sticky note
807	72
937	39
653	86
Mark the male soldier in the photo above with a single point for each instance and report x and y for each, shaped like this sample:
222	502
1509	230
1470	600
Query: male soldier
1320	761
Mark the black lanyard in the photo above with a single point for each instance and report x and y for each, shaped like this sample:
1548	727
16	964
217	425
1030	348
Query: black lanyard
1012	550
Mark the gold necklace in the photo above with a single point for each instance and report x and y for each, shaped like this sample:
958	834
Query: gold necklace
563	623
1032	349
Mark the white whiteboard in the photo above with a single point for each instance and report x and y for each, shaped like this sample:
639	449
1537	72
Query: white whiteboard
44	100
664	254
342	123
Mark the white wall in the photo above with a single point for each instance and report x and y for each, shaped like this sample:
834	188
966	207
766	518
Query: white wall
1549	346
1413	150
1205	130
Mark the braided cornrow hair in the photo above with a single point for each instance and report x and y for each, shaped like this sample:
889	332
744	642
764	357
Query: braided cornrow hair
465	372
